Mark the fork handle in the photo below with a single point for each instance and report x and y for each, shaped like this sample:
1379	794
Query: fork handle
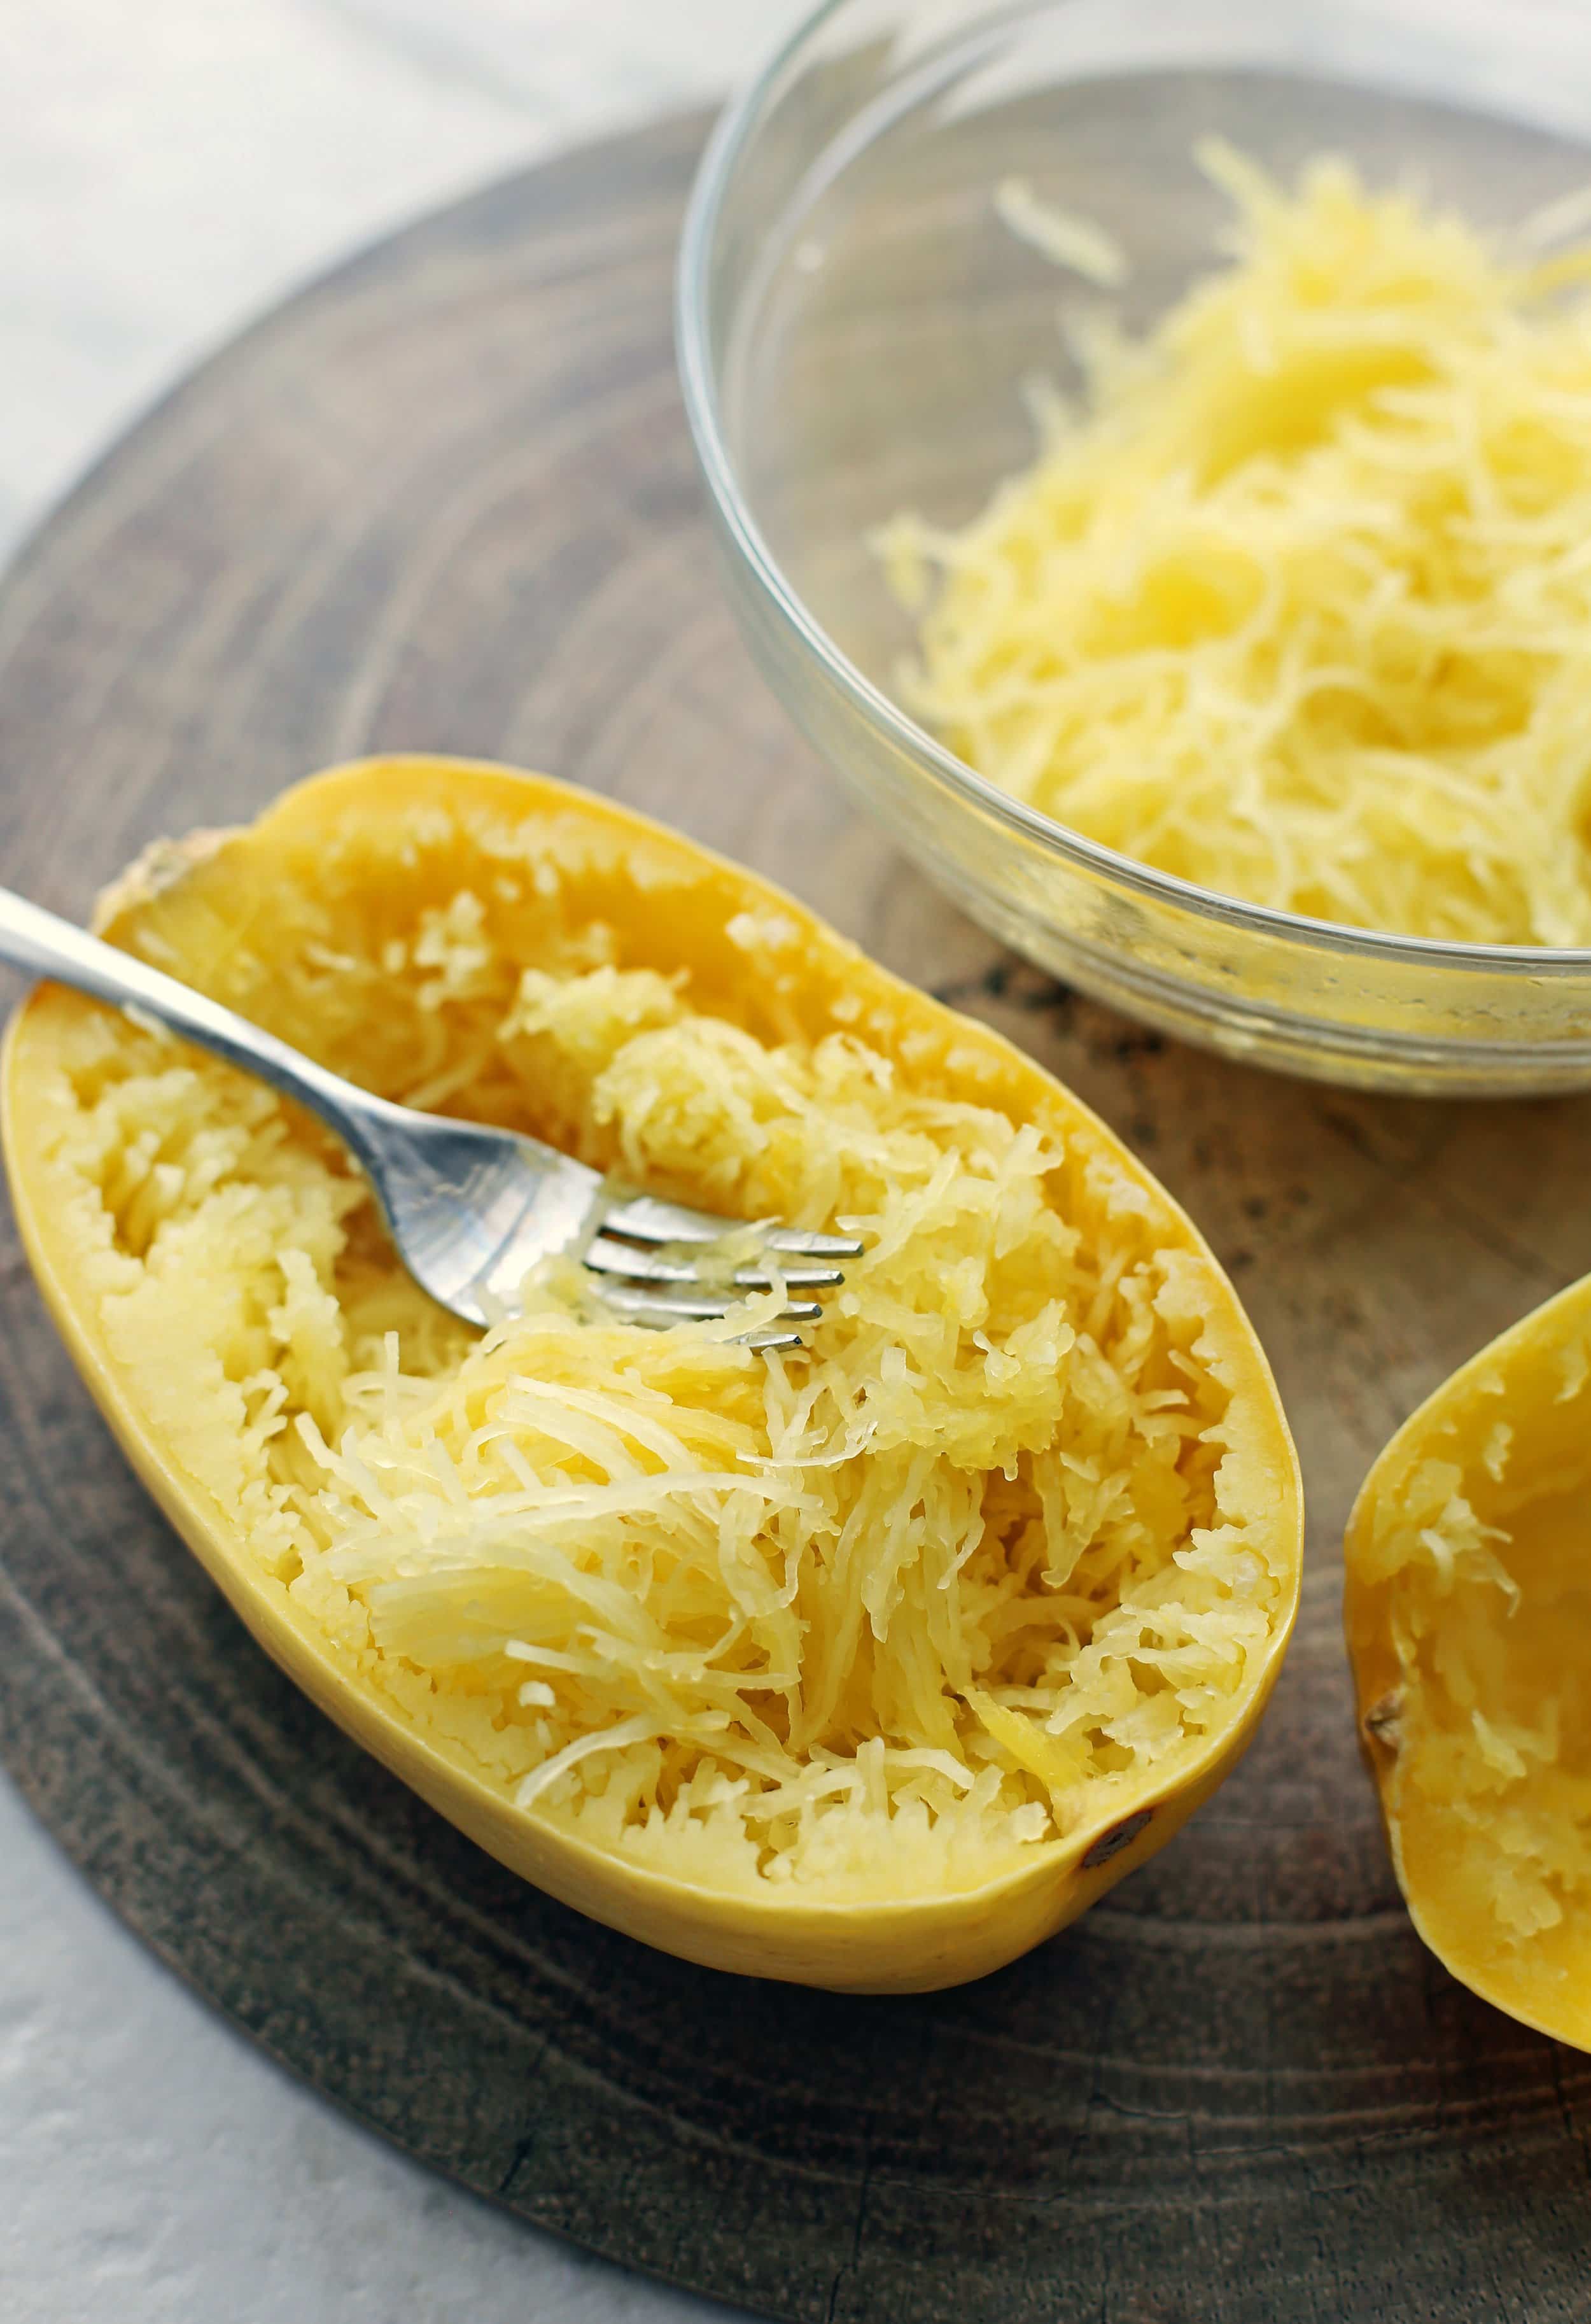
34	939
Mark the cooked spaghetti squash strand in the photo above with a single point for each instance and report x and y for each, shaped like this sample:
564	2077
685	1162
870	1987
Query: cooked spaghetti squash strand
1298	607
877	1614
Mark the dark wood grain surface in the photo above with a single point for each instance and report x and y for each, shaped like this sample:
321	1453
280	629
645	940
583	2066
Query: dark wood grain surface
445	500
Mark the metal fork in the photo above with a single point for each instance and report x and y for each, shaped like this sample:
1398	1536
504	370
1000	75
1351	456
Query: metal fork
471	1208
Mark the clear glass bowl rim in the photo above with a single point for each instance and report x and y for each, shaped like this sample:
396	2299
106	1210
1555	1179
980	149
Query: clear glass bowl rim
734	130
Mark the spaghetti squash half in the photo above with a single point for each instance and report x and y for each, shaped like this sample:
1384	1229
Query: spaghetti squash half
867	1664
1468	1599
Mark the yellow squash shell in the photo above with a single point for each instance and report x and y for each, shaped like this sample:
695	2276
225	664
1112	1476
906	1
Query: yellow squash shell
1467	1611
210	910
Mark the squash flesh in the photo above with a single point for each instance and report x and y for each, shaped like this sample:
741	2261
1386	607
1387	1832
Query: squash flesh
1468	1589
766	1627
1294	604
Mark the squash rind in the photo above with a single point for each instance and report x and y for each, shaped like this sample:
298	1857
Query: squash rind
1437	1843
910	1946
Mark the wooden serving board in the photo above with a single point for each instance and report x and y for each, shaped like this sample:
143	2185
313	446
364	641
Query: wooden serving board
444	500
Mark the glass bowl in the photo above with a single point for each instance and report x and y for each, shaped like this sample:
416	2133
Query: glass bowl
855	326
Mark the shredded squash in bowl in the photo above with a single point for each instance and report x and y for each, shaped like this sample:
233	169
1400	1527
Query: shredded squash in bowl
1296	605
801	1663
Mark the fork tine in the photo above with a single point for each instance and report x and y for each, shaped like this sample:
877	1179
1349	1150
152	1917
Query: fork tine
794	1278
648	1220
672	1302
642	1264
813	1246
